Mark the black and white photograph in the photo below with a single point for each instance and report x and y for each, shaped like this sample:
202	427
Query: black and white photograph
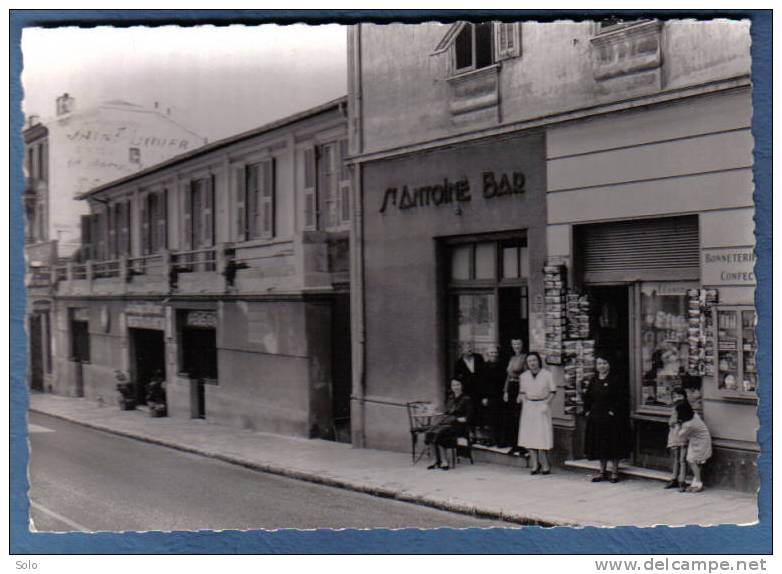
451	274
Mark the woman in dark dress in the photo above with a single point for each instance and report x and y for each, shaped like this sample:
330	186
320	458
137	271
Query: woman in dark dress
608	422
452	424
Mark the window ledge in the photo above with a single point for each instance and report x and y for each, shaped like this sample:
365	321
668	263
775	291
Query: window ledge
470	74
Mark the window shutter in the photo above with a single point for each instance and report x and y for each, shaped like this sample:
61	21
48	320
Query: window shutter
507	40
640	250
162	221
86	237
310	189
240	187
344	183
187	215
207	212
99	235
112	236
146	214
252	183
125	246
267	198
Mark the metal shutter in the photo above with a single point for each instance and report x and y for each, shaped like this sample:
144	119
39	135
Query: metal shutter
644	249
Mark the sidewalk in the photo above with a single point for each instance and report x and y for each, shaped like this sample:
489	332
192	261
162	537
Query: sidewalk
562	498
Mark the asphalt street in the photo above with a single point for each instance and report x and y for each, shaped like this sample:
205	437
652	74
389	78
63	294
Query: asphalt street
83	479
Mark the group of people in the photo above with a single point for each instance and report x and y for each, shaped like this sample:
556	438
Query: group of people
516	400
507	406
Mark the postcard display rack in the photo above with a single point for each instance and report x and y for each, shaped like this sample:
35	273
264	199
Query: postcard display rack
567	335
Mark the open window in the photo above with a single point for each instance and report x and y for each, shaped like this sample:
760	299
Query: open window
475	46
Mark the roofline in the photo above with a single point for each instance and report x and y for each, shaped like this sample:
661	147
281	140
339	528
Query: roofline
225	142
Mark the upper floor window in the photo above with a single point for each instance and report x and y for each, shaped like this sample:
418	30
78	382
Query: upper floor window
334	181
477	46
326	186
474	47
154	232
198	215
255	200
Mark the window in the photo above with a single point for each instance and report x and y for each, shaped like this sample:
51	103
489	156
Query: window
134	154
333	185
344	183
255	199
198	214
487	295
663	321
310	189
474	47
259	190
736	348
154	233
119	229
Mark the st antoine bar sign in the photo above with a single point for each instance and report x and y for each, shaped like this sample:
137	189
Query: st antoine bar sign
492	185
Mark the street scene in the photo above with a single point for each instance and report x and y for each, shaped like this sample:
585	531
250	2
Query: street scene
486	274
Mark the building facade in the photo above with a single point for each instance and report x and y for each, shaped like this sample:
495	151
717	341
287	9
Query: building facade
581	185
67	154
226	271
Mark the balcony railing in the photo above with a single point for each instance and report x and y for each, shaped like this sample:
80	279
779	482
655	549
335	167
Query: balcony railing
106	269
283	265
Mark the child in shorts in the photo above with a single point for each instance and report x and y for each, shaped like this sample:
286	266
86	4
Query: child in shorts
677	446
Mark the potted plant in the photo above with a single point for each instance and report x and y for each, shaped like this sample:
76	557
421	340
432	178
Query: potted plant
127	399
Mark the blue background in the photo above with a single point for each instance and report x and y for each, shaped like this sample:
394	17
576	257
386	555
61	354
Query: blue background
529	540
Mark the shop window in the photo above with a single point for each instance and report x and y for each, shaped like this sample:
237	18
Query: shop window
736	348
476	321
664	345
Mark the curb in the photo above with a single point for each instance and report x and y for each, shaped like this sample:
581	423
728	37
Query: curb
304	476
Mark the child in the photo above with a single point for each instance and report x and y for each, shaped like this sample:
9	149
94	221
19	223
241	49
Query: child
676	445
698	438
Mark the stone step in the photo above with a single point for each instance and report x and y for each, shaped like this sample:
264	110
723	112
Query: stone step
625	469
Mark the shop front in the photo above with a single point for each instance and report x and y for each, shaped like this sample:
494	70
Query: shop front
651	260
453	243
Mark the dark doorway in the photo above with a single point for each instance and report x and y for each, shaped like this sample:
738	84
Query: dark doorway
149	353
199	360
341	380
611	327
36	352
513	318
611	324
80	352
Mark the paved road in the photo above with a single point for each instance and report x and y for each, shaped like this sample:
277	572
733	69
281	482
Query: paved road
82	479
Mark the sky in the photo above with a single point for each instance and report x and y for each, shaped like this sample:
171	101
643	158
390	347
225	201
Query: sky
218	81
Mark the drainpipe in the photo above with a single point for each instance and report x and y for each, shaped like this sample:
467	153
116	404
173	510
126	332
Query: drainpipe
357	307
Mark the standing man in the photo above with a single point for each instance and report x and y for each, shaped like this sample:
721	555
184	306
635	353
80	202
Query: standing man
469	369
